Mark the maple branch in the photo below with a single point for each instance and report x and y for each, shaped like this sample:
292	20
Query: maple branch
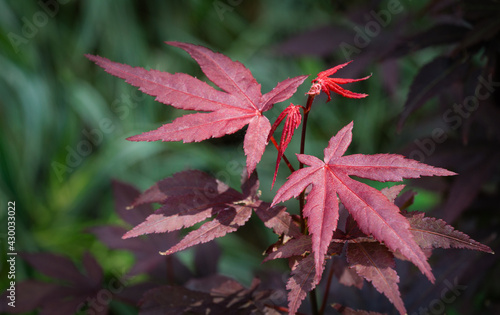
170	269
290	167
307	109
327	290
314	302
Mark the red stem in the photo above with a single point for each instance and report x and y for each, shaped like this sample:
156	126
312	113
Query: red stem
310	99
290	167
307	109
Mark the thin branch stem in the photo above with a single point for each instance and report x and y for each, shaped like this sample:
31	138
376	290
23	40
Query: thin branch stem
314	302
307	109
327	290
290	167
310	99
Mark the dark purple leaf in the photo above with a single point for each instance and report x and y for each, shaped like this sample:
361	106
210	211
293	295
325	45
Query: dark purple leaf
343	310
226	221
193	196
206	258
277	219
344	274
301	282
466	187
93	269
441	34
29	295
375	263
55	266
432	79
294	247
124	195
432	233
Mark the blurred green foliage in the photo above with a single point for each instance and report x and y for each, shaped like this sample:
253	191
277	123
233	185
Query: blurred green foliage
54	102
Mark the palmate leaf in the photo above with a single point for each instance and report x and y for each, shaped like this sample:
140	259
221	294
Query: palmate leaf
239	104
210	295
373	212
145	249
188	197
191	197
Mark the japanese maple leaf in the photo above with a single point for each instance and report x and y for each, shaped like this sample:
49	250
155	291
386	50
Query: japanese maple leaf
240	103
373	212
327	85
144	249
211	295
190	197
71	291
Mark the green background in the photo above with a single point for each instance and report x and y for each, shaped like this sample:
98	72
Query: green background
54	101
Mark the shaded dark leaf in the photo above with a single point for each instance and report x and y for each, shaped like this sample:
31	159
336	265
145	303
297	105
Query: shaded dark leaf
55	266
206	258
302	281
212	295
437	35
344	274
432	79
344	310
466	187
294	247
432	233
124	195
277	219
29	295
145	250
375	263
193	196
226	221
93	269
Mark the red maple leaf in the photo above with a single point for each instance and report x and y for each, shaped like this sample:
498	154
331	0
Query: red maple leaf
373	212
327	84
240	103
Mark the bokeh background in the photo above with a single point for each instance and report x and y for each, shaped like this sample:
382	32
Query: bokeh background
54	103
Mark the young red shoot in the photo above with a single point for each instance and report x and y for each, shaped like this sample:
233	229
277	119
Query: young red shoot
332	84
293	119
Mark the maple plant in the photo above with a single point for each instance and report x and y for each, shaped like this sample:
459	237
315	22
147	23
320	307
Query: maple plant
339	215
